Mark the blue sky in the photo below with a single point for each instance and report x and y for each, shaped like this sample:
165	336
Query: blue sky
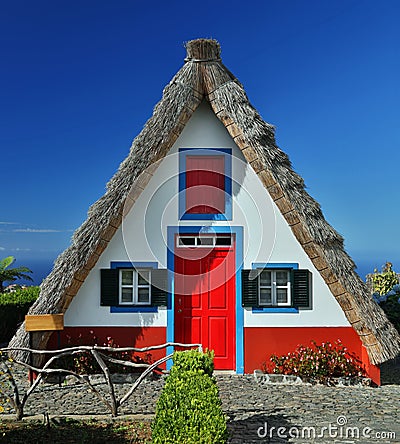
80	78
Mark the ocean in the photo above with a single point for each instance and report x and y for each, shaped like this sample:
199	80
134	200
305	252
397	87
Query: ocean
42	267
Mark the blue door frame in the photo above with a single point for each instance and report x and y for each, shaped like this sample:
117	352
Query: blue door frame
238	231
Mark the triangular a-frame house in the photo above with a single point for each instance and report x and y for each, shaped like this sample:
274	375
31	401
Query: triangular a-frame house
205	193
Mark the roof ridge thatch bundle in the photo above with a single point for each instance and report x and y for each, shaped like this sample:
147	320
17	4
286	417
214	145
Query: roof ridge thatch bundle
204	77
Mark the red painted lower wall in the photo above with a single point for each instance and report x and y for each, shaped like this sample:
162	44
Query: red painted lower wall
138	337
261	342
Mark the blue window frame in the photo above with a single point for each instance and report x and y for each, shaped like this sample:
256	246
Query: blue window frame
274	268
131	308
226	214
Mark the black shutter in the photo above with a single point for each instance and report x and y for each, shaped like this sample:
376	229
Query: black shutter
302	289
109	288
159	287
250	288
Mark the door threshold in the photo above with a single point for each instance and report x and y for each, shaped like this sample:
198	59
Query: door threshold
224	372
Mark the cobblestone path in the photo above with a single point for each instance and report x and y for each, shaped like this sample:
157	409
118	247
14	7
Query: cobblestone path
258	413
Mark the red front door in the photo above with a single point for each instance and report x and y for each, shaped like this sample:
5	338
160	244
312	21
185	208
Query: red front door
205	299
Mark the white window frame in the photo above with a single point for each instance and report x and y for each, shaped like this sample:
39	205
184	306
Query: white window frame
203	241
134	286
274	287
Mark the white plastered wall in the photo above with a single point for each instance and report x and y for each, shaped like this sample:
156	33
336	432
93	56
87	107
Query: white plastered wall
143	237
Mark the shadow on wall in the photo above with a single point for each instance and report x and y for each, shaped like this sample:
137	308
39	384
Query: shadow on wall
138	337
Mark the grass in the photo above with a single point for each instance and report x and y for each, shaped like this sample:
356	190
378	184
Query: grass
70	431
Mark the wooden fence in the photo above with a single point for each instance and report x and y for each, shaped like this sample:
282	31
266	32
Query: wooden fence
18	400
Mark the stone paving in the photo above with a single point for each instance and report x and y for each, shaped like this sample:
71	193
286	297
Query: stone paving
258	412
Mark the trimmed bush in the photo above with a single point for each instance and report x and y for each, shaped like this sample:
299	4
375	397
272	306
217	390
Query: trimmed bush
13	308
189	409
192	360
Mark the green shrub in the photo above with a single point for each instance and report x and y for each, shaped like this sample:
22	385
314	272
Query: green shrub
13	308
192	360
390	304
189	409
319	362
384	281
386	289
392	309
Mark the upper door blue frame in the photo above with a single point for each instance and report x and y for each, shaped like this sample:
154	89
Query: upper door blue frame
227	153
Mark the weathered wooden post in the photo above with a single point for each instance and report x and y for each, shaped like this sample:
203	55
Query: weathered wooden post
46	322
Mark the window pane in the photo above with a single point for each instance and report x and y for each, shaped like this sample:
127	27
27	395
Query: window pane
143	295
281	278
127	277
265	296
281	296
205	241
223	240
187	240
143	277
265	278
126	295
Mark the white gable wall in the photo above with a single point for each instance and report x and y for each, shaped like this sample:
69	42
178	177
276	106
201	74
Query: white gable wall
143	237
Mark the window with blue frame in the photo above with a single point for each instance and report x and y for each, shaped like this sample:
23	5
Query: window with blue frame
275	287
205	184
139	285
135	286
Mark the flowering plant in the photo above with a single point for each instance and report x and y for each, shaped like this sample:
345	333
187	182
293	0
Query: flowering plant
319	362
85	363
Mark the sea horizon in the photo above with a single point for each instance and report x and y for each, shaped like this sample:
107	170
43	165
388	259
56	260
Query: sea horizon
42	267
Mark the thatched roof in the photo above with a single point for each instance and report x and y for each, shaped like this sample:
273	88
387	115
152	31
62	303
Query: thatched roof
204	77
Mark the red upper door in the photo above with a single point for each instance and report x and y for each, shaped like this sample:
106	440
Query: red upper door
205	300
205	184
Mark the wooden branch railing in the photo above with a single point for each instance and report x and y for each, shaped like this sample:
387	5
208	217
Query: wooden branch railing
99	354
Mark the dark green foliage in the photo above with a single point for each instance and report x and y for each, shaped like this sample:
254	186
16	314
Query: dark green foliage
13	308
392	309
189	409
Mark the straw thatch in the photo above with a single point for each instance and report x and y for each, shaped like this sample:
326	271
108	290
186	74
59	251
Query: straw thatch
204	77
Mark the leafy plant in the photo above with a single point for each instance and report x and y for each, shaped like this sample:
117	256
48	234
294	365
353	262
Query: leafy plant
386	288
192	360
13	308
384	281
189	409
20	297
390	304
11	274
319	362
